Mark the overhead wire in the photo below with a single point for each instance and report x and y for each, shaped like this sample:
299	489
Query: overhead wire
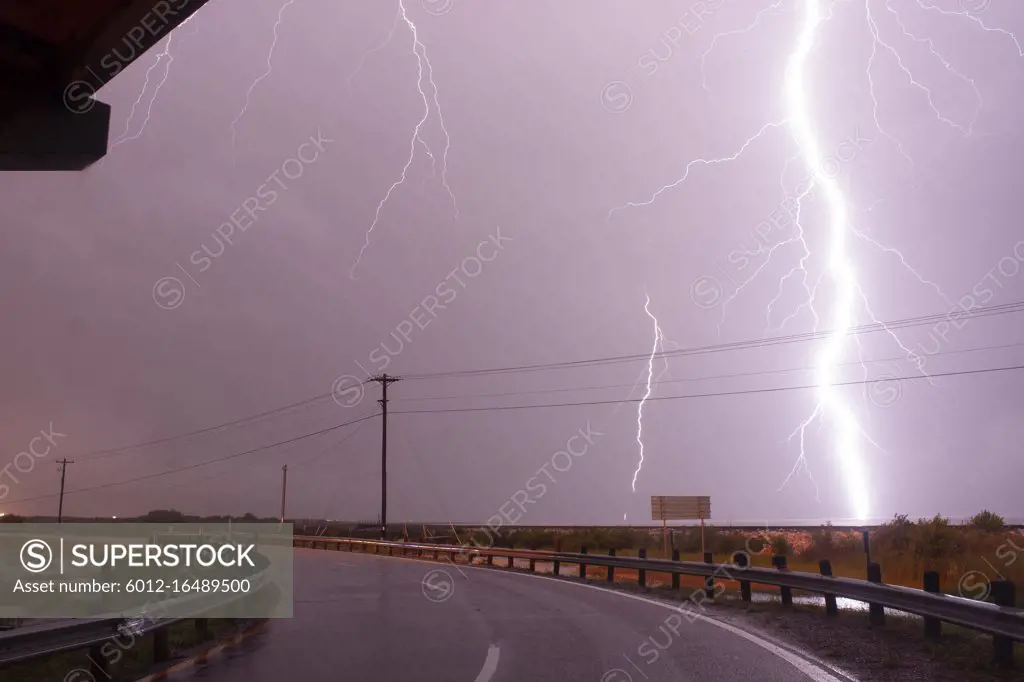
732	375
195	465
683	352
1003	309
774	389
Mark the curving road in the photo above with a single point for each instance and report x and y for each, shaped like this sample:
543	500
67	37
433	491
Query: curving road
366	617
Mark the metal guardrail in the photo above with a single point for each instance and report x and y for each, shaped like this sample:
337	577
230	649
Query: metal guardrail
1003	621
41	640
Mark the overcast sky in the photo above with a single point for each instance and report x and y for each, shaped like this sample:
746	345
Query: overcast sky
553	115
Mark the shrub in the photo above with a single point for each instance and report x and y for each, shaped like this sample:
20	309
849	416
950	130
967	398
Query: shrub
823	543
687	540
896	535
988	522
780	545
536	539
727	543
937	541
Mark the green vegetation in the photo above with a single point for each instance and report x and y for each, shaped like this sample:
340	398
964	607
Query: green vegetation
967	557
129	657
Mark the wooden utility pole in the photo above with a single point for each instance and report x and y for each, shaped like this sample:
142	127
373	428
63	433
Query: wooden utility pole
63	470
284	488
384	380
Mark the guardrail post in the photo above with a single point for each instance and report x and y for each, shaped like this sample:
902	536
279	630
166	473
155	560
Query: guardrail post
932	626
99	664
161	645
876	612
742	561
642	580
779	562
709	582
203	627
583	566
831	608
556	569
1004	593
533	565
675	576
490	559
611	569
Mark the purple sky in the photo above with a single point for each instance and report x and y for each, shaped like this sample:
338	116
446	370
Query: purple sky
555	113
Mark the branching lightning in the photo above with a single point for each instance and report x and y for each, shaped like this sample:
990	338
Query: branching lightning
839	266
261	77
847	295
165	52
424	70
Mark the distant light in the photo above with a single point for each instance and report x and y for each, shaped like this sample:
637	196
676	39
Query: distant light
113	517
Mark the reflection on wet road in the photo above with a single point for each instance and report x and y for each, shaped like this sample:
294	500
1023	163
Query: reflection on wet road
366	617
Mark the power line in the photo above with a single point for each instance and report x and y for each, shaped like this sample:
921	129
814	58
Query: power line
505	407
777	389
196	465
721	347
701	378
107	452
328	449
1003	309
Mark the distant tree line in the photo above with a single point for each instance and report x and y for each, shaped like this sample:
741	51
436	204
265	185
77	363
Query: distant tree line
155	516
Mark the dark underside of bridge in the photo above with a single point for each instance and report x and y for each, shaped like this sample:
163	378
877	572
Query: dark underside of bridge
54	55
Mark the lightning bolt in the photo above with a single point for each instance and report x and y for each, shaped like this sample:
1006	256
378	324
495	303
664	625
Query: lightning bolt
424	70
166	52
830	403
260	78
772	9
963	13
659	340
847	295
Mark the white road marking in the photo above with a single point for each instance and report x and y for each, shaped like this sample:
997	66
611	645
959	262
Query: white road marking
490	665
800	663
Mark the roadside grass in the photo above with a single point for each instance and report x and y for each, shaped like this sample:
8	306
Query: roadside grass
848	640
130	657
899	645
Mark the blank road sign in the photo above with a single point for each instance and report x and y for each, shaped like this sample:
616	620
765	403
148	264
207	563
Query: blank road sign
680	507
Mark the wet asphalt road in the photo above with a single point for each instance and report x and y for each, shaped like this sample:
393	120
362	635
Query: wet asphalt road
365	617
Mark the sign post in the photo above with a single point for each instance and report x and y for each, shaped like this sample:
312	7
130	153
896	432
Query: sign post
667	508
702	534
